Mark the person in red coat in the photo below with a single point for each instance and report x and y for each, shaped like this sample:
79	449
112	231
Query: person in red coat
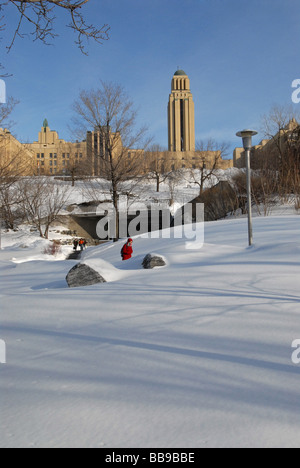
127	250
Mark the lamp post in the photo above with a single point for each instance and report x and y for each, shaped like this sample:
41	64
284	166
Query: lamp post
247	143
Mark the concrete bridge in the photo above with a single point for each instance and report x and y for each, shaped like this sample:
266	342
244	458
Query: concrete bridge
85	224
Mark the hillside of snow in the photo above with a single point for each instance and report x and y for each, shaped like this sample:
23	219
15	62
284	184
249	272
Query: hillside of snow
194	354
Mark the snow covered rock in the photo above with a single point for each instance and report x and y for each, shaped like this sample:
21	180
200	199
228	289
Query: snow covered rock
83	275
153	261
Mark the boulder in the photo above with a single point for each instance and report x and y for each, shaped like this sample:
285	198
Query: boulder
83	275
153	261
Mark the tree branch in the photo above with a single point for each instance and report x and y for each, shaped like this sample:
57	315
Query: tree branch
40	15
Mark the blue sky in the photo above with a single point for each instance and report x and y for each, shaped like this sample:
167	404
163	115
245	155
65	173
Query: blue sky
241	57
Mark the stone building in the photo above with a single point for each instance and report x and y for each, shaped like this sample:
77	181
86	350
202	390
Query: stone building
15	158
168	161
54	156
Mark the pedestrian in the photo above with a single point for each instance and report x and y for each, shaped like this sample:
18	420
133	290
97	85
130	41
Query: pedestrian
75	244
81	244
127	250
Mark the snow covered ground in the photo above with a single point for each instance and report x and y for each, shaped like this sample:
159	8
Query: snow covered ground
194	354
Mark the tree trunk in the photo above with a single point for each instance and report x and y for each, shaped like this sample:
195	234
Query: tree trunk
116	207
46	233
157	183
41	232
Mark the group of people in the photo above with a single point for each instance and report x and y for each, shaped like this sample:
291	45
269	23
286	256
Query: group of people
81	243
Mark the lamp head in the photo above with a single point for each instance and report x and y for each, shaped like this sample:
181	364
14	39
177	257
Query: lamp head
247	138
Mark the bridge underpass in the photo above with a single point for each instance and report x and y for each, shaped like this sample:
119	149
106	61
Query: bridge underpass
85	224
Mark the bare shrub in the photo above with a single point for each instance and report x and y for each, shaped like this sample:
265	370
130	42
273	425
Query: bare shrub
54	248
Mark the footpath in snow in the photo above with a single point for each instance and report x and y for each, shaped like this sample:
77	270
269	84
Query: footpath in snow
194	354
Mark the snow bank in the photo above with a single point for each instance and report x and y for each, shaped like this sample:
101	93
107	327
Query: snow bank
196	354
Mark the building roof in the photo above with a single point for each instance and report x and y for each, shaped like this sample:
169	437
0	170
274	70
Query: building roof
180	73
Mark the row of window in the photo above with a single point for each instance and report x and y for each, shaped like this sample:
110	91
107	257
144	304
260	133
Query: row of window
42	163
51	171
51	163
54	156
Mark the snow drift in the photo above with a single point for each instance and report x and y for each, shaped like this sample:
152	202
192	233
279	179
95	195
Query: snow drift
195	354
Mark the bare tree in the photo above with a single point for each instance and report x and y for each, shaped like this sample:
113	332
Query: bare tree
219	201
74	168
13	162
264	188
156	163
117	146
281	153
42	201
277	120
9	174
40	16
204	166
174	179
5	112
10	200
12	166
75	163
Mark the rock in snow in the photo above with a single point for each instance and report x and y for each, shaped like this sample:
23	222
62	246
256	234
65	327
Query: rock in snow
152	261
83	275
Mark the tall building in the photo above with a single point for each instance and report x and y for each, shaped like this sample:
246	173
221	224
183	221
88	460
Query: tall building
181	114
56	156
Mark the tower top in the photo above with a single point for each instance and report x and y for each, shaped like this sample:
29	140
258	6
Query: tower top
45	123
180	73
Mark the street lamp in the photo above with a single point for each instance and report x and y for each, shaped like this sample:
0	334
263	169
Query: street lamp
247	143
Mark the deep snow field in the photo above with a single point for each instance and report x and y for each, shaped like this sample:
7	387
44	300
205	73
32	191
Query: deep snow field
194	354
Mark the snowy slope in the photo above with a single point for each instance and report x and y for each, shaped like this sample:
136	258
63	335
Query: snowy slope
194	354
